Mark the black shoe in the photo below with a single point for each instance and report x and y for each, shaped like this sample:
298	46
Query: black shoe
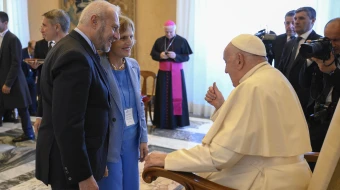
0	122
23	137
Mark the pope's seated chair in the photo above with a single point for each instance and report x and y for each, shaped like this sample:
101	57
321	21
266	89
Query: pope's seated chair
148	98
326	174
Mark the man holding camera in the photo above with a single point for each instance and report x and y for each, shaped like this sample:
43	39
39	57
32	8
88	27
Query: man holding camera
322	76
291	60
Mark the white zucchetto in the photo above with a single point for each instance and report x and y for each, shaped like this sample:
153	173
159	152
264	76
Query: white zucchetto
250	44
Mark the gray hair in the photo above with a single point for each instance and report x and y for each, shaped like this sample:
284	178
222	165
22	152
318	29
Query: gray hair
98	8
58	16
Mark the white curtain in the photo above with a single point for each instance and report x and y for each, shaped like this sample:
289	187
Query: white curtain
209	25
195	70
18	18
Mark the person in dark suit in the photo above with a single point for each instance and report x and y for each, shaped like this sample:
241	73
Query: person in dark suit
291	60
14	91
323	79
281	40
72	142
40	52
30	75
54	27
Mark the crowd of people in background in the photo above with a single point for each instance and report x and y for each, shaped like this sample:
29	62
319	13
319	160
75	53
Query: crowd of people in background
90	120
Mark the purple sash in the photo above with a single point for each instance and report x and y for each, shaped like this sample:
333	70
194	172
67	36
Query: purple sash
176	77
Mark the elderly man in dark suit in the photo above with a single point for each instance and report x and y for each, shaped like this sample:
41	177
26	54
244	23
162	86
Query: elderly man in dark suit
291	60
14	91
72	144
281	40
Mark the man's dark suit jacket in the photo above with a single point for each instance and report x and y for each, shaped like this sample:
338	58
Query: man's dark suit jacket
40	52
41	48
303	93
306	78
320	86
28	71
12	75
72	143
278	45
30	75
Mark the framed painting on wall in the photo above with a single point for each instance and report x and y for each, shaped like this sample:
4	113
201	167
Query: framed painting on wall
75	7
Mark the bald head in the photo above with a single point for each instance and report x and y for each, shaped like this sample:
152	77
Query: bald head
98	8
31	44
332	31
334	21
31	47
99	21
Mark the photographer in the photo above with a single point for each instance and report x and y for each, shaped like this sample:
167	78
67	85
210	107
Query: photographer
291	59
322	76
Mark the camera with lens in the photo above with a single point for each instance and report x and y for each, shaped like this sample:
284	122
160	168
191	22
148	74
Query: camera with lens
323	112
320	48
267	39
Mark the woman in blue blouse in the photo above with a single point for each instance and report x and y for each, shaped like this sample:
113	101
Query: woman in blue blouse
128	133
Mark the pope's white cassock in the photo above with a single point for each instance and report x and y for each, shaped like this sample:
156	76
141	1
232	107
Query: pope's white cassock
257	140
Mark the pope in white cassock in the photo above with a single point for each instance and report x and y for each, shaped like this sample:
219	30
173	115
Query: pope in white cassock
259	134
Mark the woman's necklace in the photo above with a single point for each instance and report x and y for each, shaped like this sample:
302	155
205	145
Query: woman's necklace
121	67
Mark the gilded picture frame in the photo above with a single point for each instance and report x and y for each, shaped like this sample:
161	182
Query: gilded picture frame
75	7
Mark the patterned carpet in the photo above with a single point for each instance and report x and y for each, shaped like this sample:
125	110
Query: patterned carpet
17	160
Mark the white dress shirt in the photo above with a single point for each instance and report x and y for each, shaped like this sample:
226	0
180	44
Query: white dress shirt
2	36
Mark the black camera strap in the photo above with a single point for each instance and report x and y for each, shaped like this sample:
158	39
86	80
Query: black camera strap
334	61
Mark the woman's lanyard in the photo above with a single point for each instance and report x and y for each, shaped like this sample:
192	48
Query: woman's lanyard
167	48
128	110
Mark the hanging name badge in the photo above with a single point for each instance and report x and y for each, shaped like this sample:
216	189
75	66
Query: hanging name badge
129	117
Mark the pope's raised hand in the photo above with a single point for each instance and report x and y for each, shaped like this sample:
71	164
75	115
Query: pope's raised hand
214	96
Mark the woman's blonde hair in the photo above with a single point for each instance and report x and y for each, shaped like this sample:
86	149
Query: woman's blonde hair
125	22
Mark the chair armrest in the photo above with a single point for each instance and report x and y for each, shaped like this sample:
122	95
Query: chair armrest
187	179
311	156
